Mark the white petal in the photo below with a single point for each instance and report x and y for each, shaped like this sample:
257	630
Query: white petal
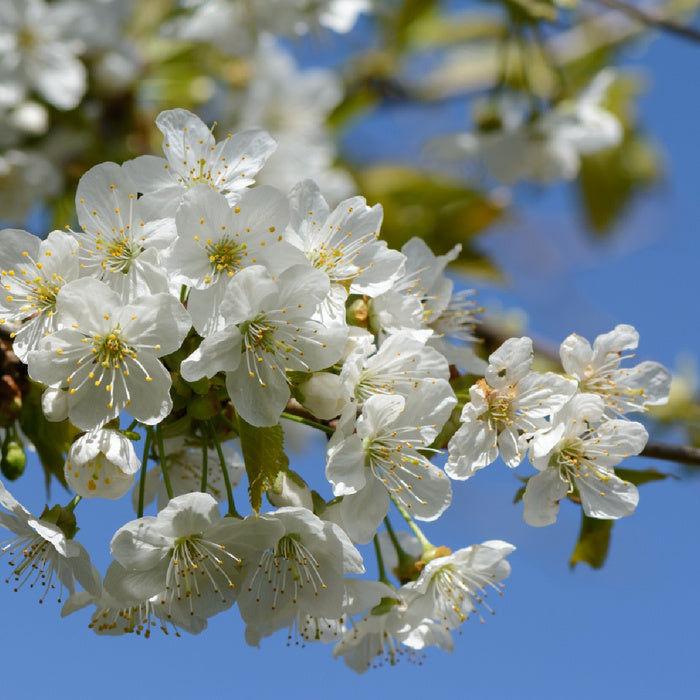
542	495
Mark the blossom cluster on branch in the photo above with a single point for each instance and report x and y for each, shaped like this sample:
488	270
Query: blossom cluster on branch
196	310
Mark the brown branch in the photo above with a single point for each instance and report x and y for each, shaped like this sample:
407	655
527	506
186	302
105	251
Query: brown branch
685	454
654	19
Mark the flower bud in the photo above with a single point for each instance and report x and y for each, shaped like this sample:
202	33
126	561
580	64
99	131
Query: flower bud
290	489
321	395
54	404
13	459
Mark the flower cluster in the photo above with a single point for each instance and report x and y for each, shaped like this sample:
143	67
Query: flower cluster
213	311
572	427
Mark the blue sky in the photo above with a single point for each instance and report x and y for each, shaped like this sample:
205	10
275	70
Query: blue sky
629	630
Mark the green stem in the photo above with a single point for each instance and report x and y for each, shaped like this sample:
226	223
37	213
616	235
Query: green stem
380	562
217	445
428	548
400	552
163	465
306	421
205	458
142	479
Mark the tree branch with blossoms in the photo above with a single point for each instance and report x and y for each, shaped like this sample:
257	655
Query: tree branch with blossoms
214	299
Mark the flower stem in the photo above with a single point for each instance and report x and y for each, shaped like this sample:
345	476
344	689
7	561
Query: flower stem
206	428
205	458
306	421
163	465
429	549
142	479
380	562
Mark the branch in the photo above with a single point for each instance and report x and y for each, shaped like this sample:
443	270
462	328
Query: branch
653	18
672	453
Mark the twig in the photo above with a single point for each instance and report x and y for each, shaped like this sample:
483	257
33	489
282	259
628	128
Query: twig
653	19
672	453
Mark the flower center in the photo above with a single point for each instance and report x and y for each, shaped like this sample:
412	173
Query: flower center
27	38
573	461
197	567
32	559
44	294
110	349
138	619
325	259
225	256
120	253
290	570
500	408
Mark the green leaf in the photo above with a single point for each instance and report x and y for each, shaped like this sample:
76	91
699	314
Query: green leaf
451	426
521	491
359	100
264	457
642	476
610	179
440	30
441	211
530	11
593	542
410	11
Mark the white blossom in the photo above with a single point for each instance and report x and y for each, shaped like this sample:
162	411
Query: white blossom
514	146
188	554
101	463
184	460
120	235
193	159
299	570
398	367
41	554
577	454
380	456
293	104
40	52
216	241
269	331
32	273
343	244
450	587
233	25
385	635
505	409
597	370
106	353
422	298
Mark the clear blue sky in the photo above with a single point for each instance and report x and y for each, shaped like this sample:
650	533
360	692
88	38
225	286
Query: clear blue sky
629	630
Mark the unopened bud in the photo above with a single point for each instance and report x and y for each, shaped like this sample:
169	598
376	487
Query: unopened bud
290	489
203	407
13	459
320	394
54	404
